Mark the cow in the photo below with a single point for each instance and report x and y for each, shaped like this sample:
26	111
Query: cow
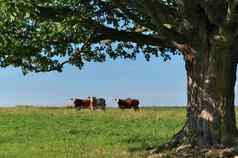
91	103
84	103
100	103
128	103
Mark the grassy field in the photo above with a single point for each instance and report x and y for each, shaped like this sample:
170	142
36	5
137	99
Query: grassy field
68	133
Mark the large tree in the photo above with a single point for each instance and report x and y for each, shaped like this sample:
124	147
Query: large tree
44	35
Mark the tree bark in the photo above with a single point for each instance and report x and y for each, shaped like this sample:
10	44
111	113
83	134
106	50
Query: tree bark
211	79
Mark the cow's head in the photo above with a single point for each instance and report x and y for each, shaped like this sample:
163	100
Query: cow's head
116	99
92	98
74	98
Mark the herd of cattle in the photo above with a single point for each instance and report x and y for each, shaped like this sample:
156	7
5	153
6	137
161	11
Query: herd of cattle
94	103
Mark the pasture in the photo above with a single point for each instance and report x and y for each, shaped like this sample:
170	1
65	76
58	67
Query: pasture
28	132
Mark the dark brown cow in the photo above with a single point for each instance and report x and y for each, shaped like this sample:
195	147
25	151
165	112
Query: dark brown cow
128	103
84	103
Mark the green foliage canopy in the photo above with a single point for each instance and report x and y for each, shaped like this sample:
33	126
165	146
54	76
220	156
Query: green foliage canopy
44	35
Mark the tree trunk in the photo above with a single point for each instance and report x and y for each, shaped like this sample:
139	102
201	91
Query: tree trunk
211	79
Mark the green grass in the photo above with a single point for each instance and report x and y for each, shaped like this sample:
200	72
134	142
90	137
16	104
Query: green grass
28	132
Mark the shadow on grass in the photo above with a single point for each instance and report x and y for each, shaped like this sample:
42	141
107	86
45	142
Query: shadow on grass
137	143
143	147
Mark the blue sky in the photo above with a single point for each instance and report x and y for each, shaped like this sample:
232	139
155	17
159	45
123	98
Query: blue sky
154	83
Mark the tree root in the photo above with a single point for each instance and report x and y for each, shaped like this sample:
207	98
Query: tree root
180	146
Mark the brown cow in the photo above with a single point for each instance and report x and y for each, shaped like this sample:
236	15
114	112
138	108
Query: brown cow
128	103
84	103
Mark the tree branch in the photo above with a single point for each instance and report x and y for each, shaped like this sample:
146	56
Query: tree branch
164	13
164	17
105	33
163	39
58	13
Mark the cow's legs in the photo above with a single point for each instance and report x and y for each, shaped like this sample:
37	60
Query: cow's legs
78	107
136	108
91	103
